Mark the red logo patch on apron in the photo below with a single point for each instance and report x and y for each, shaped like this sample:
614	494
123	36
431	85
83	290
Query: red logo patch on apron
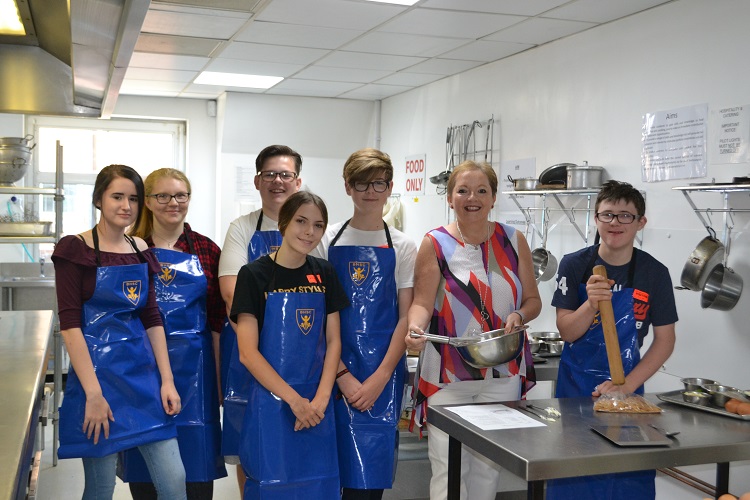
359	271
132	291
305	320
167	274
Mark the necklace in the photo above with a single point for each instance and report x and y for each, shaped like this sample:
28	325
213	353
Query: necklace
486	268
463	240
169	244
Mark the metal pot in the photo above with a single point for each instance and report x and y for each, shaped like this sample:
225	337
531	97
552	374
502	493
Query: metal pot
707	255
487	349
722	289
12	171
9	154
584	176
545	264
524	183
17	141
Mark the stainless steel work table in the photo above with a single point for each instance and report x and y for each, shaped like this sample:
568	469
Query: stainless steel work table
24	344
568	447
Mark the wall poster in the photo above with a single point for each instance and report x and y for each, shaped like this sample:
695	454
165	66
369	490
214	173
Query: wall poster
731	135
674	144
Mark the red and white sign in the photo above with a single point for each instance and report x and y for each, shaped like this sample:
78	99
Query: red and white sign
415	170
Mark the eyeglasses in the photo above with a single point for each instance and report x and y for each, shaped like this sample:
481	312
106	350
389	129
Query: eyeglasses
284	175
623	218
164	198
377	186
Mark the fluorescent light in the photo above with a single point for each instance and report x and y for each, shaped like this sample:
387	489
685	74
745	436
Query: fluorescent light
397	2
10	19
237	80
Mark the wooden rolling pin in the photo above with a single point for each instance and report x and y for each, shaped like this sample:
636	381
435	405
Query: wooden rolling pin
610	335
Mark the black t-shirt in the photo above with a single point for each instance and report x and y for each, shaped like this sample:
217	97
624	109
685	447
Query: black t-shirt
258	277
654	295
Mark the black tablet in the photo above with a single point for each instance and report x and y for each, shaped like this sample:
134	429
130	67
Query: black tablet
632	435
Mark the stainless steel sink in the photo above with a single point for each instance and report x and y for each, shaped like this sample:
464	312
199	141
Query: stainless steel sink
27	281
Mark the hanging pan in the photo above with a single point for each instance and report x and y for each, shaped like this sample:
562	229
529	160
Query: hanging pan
722	289
545	264
706	256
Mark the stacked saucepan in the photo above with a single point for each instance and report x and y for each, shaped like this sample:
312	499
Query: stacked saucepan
705	272
703	391
15	156
549	343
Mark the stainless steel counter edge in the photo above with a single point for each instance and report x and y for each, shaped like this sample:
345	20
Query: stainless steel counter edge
24	344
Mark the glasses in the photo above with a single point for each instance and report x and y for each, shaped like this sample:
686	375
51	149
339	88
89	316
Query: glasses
623	218
284	175
377	186
164	198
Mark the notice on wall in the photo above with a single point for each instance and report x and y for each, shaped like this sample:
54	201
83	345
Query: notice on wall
731	135
415	168
244	185
674	144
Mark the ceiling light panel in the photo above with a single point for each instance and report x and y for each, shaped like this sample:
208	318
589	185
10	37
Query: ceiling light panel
237	80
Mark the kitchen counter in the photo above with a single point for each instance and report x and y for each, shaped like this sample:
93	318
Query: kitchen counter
568	447
24	346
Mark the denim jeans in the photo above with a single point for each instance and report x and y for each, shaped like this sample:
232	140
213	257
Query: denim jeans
163	462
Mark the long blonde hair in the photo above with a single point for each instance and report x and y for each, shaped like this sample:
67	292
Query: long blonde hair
145	226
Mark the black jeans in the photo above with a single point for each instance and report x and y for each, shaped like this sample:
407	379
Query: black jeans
351	494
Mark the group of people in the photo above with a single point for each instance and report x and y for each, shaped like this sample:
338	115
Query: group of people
300	330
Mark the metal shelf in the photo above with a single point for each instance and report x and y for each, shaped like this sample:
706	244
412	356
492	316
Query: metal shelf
727	219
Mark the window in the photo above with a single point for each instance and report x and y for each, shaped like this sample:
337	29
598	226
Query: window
90	145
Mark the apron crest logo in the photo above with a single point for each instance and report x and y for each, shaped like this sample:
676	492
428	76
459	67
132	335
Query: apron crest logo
167	274
132	291
305	319
359	271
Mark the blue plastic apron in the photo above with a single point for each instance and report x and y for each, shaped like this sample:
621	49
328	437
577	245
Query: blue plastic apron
583	366
279	462
124	364
368	441
235	378
181	291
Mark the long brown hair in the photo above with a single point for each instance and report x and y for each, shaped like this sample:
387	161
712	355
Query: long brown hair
292	204
144	227
109	173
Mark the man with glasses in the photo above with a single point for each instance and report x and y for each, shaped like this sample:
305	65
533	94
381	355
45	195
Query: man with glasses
641	293
249	237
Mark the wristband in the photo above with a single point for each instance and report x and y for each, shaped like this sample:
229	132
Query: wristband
523	318
342	372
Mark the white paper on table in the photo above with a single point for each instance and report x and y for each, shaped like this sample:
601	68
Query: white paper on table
494	417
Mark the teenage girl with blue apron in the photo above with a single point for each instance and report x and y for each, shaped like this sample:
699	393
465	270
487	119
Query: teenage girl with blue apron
583	366
181	290
234	376
286	309
112	350
368	440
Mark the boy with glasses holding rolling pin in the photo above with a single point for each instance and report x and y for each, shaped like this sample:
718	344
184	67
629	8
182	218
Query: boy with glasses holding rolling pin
640	290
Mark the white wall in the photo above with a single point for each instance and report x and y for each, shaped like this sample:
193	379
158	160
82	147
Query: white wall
583	98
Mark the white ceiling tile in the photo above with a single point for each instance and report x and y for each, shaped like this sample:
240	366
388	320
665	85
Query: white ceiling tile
201	95
160	75
516	7
343	59
342	74
444	67
167	61
448	23
600	11
409	79
168	44
375	91
296	35
202	10
196	25
264	68
236	5
540	30
330	13
272	53
312	88
218	89
404	44
486	51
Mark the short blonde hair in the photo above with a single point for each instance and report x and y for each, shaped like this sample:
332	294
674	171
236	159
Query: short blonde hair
367	164
469	165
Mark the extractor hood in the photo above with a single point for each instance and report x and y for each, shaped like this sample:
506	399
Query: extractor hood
71	62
